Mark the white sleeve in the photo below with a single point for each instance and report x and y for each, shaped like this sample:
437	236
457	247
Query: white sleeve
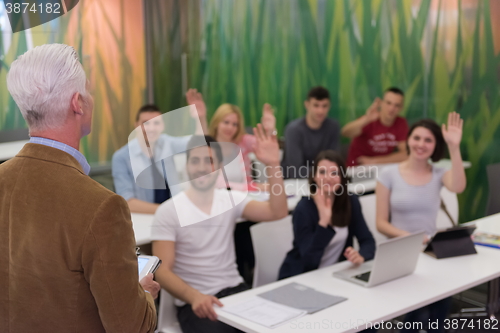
241	199
165	222
385	176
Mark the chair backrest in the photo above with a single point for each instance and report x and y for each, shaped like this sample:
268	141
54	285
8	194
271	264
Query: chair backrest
271	242
369	208
451	202
493	172
167	314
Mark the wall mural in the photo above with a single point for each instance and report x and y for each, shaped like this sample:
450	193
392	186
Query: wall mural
444	54
109	37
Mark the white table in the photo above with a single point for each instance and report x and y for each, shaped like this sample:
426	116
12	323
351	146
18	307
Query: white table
296	188
490	224
142	224
432	280
10	149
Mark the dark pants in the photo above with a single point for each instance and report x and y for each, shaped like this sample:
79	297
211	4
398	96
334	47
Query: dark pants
190	323
245	258
435	312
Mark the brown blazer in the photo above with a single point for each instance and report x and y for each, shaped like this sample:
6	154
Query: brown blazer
67	258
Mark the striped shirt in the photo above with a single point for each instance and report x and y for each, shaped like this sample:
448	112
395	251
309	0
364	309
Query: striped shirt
65	148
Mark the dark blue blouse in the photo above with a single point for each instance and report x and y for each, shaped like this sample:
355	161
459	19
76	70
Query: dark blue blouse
310	239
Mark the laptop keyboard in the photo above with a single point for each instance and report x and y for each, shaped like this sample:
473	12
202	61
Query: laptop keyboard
363	277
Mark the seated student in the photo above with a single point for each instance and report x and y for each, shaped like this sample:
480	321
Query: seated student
140	199
408	194
198	259
324	226
228	125
307	136
377	134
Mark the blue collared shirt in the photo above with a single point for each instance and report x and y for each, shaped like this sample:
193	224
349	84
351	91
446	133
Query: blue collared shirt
65	148
130	161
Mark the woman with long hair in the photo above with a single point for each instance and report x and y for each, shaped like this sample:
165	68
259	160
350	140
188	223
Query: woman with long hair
227	125
325	223
408	193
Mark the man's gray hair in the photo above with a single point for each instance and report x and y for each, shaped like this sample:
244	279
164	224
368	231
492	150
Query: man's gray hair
42	81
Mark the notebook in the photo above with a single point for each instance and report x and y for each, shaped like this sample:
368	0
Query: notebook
298	296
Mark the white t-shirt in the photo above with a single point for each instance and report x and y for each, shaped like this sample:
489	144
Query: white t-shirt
204	251
333	250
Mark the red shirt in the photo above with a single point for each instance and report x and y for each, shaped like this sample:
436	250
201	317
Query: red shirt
377	140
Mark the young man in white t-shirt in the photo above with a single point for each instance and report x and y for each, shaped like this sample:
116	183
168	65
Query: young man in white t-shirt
193	232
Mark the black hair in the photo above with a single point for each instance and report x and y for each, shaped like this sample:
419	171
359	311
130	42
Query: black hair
195	140
341	209
431	125
395	90
319	93
147	108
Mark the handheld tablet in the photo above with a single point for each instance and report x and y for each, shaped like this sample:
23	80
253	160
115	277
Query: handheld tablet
147	264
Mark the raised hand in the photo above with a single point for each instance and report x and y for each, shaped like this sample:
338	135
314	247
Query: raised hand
324	204
372	113
196	98
267	149
453	134
268	119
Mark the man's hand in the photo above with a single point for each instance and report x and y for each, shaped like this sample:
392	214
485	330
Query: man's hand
203	306
268	119
196	98
267	149
149	285
372	113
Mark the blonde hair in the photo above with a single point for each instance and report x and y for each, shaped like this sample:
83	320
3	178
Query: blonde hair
221	112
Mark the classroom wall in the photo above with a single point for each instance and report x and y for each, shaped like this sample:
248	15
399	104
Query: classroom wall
444	54
109	37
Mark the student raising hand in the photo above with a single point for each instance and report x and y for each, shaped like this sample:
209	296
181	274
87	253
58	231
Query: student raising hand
266	148
372	113
324	203
196	98
268	119
453	134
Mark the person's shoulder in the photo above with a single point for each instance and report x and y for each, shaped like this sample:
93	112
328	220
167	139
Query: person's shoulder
305	203
124	151
93	193
223	194
389	170
354	199
167	206
296	124
166	212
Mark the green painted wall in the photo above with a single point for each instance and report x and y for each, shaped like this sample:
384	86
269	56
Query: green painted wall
248	52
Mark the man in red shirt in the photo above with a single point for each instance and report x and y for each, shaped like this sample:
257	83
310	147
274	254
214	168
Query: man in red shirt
379	136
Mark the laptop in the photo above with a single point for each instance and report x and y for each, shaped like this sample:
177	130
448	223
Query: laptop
394	258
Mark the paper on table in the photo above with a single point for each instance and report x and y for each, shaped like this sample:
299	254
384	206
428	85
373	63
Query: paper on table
264	312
